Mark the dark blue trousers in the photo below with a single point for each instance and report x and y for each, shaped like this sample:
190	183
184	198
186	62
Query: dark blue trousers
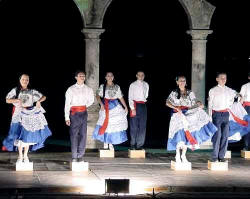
220	138
247	136
78	133
138	126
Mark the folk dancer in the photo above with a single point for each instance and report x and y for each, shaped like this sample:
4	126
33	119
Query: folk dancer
29	128
112	123
77	99
189	125
137	97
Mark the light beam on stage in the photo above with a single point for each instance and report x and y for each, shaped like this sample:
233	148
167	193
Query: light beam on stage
87	186
139	187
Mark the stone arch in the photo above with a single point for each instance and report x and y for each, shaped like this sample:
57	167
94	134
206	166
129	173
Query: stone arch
187	13
199	13
104	10
81	13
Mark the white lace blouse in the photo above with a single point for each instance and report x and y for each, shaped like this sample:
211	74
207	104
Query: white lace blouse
188	100
111	92
27	96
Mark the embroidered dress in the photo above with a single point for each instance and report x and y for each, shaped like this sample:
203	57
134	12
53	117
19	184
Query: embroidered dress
28	125
190	128
239	122
115	122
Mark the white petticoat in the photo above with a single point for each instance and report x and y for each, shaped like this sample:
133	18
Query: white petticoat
31	120
117	119
193	120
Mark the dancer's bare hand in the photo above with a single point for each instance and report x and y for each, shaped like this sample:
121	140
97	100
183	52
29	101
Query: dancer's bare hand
67	122
38	104
133	112
126	110
178	110
102	107
18	102
200	104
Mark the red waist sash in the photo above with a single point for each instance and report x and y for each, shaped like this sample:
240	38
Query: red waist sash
190	138
106	120
180	107
246	104
13	109
75	109
221	111
136	102
238	120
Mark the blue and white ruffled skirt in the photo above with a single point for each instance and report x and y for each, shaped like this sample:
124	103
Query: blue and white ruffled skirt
115	132
197	122
28	127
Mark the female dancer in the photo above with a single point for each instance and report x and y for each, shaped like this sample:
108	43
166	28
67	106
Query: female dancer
112	123
28	125
190	125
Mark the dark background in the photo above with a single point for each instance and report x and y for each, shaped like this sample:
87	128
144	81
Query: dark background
44	39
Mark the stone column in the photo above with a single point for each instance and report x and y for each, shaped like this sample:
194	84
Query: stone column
199	68
199	62
92	39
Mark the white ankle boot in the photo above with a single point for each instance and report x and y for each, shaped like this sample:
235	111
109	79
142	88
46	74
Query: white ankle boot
184	159
177	156
111	147
183	156
105	145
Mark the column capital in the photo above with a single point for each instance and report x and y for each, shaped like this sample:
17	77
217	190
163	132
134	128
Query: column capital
199	34
92	33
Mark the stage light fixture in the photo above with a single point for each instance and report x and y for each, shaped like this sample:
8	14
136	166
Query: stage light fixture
116	186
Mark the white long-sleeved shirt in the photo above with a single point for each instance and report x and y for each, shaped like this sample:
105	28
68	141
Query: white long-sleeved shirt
220	98
245	92
78	95
138	91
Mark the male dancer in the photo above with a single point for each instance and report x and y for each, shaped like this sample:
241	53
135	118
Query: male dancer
78	97
221	98
137	97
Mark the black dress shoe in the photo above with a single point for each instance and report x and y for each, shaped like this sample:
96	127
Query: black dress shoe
132	148
139	148
223	160
80	159
245	148
74	160
214	160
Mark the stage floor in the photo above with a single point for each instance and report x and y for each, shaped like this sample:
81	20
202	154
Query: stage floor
52	174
